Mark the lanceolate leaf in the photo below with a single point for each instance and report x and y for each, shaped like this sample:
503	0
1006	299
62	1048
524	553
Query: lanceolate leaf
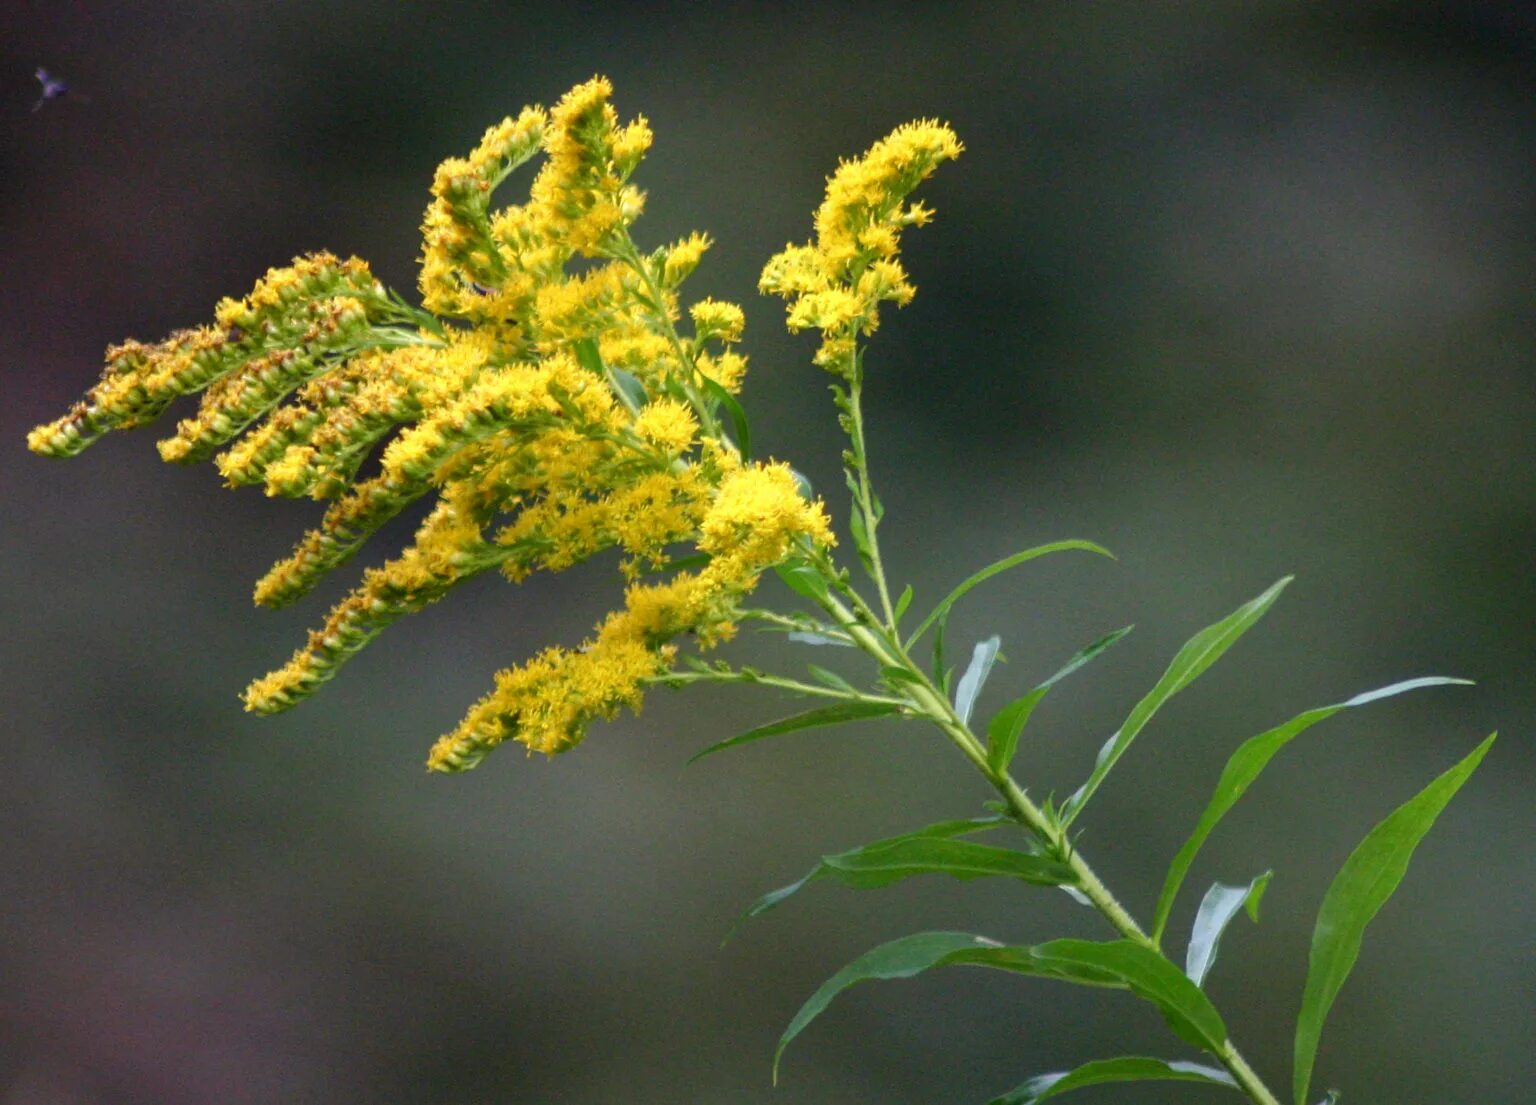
1199	652
901	958
739	425
982	658
803	579
1119	964
993	569
1243	768
1217	908
961	859
1368	878
1187	1011
825	715
940	831
1130	1068
1007	724
904	601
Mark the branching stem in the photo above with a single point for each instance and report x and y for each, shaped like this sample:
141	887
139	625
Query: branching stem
880	639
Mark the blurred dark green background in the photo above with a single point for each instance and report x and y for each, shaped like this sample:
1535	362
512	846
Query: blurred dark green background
1238	290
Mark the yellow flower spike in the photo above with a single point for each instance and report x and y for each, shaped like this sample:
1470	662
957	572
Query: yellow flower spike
837	283
682	258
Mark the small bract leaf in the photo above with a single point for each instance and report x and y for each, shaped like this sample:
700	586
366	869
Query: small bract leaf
830	678
1368	878
1129	1068
982	658
1243	768
804	637
1199	652
904	601
802	579
1217	908
993	569
825	715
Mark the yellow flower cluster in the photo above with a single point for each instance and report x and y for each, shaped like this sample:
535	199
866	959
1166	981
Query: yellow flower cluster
552	413
836	284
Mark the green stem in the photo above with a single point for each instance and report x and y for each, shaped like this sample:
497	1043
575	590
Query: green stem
884	646
866	495
627	252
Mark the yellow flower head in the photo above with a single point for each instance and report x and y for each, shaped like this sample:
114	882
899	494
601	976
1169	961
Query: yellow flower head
837	283
547	406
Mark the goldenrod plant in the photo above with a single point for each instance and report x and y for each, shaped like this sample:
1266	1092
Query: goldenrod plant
557	399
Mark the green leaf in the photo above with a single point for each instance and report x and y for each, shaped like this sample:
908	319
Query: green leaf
803	580
902	958
588	357
881	865
939	830
1244	767
1007	724
1217	908
858	527
1186	1009
982	658
830	678
1199	652
825	715
1368	878
993	569
629	387
940	673
739	425
1129	1068
807	637
904	601
1121	964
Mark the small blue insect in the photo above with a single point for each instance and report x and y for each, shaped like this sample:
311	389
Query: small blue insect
53	88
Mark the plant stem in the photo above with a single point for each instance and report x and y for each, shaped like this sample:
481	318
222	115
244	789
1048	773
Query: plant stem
866	494
882	641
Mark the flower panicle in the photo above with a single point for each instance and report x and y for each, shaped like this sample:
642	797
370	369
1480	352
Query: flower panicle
542	396
837	283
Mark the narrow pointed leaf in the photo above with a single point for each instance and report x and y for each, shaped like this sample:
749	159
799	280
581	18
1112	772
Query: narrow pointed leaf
993	569
739	424
1244	767
806	637
1217	908
1007	724
904	601
858	528
1186	1009
1119	964
903	958
961	859
804	580
983	656
830	678
1129	1068
1199	652
940	671
939	830
1368	878
825	715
